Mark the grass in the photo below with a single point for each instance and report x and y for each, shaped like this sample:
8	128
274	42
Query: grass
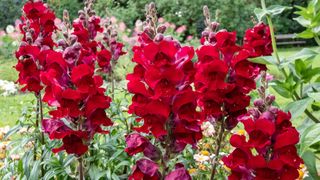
12	107
7	72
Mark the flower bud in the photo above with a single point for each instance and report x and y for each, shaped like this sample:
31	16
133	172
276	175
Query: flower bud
159	37
212	35
205	34
214	26
73	38
62	43
270	99
152	152
152	5
77	46
168	38
258	103
268	115
161	28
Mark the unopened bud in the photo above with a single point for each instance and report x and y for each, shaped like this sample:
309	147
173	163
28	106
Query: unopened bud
258	103
152	5
206	12
77	46
212	35
62	43
73	38
205	34
161	28
81	12
159	37
270	99
214	26
168	38
29	37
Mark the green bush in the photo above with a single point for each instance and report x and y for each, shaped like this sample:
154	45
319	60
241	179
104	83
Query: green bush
234	14
71	5
9	11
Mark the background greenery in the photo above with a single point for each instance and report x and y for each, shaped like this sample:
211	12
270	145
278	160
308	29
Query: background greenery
233	14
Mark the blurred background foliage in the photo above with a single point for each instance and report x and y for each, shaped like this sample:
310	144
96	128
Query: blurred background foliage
233	14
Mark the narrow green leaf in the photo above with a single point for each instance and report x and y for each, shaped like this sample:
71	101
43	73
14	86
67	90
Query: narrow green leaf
307	34
296	108
277	9
304	22
309	159
35	170
305	53
314	95
268	60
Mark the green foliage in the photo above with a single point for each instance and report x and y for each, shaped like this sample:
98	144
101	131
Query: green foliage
309	17
233	15
71	5
9	11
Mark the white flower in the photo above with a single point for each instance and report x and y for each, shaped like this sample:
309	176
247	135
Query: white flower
8	88
200	158
10	29
207	129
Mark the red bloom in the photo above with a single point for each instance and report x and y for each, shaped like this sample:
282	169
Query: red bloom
258	40
178	174
276	157
135	144
145	170
73	144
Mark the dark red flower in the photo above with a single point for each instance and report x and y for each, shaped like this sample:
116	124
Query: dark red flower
145	169
178	174
136	144
258	40
73	144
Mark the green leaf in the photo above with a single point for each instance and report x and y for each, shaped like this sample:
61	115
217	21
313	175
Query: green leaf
314	95
309	159
307	34
123	163
268	60
260	13
276	9
35	170
304	22
305	53
296	108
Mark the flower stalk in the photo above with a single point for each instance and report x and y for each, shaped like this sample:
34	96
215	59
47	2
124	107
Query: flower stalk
219	145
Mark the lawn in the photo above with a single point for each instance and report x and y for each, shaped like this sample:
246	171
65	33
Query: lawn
12	107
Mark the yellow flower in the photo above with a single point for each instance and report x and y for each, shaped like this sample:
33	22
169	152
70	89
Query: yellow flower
241	132
301	174
205	153
192	171
2	155
226	168
207	146
202	167
1	135
1	164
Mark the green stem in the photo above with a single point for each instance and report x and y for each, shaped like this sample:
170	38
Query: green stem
112	80
219	142
81	177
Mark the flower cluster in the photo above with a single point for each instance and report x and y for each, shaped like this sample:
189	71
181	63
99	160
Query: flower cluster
267	150
224	76
37	27
163	100
72	86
